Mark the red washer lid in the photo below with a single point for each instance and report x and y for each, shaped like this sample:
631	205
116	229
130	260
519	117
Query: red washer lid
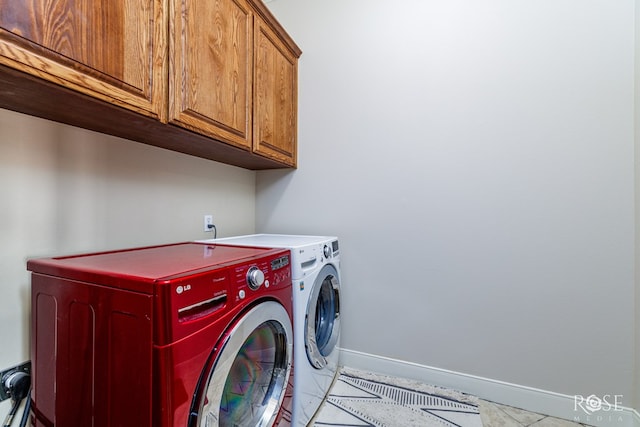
139	268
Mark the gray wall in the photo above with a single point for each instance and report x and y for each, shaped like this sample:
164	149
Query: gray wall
67	190
477	160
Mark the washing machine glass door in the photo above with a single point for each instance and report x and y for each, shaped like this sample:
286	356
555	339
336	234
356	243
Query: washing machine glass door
246	384
322	324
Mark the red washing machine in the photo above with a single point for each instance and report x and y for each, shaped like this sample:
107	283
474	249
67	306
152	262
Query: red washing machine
188	335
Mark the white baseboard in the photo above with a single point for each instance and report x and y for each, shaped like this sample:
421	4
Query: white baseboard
528	398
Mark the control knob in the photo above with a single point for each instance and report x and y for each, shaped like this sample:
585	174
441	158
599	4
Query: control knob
326	251
255	278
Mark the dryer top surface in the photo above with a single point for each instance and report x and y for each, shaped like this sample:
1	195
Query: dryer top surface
308	253
290	241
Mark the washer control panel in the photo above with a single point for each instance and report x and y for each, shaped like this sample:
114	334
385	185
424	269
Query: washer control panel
261	275
330	249
196	297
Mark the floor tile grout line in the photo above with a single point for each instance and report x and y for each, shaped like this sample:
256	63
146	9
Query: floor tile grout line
498	408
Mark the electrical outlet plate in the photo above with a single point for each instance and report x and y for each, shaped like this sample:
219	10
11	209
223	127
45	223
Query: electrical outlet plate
208	223
24	367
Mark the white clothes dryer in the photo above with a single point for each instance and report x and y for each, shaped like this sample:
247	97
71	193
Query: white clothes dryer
315	270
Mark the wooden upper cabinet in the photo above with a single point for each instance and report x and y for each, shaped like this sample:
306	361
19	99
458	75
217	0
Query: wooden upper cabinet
275	98
211	51
212	78
111	50
233	76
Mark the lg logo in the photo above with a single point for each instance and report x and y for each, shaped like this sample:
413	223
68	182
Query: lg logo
180	289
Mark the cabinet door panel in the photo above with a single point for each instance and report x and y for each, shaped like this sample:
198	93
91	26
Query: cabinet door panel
112	50
211	60
275	121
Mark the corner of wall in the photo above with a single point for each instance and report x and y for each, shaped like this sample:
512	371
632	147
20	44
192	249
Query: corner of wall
636	398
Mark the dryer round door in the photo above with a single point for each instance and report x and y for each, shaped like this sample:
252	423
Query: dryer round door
322	323
246	383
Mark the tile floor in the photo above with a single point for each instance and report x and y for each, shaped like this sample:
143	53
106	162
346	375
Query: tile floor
365	399
491	414
496	415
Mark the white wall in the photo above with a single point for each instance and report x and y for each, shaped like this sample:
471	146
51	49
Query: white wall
476	159
67	190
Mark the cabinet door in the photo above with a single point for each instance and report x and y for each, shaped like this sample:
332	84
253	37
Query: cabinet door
112	50
210	68
276	91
